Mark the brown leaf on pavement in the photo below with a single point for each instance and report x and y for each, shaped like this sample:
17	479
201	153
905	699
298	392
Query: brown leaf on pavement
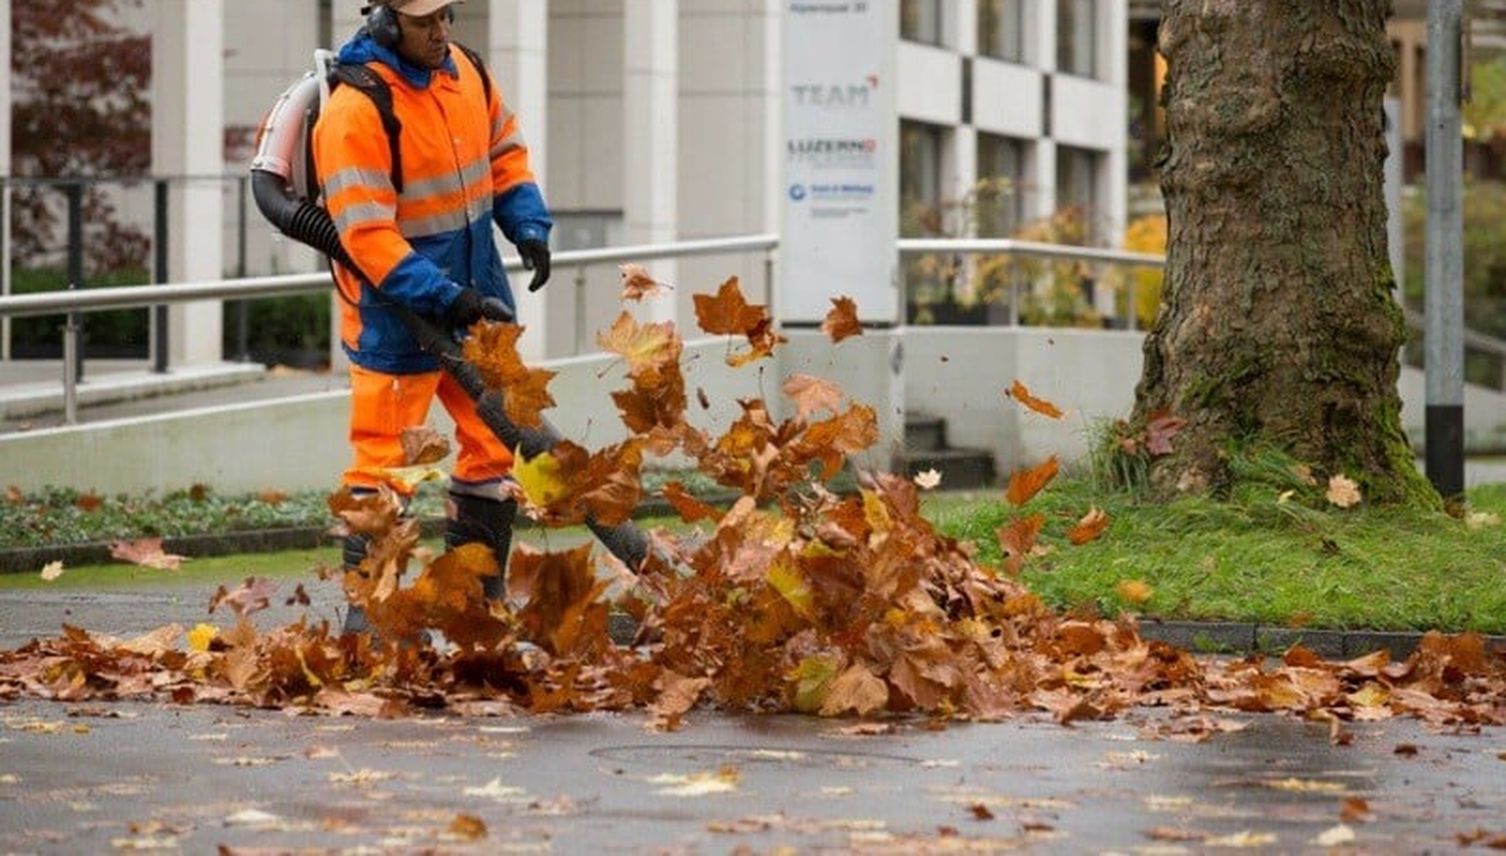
468	827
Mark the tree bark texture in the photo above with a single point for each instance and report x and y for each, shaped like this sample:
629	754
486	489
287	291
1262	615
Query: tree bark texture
1279	325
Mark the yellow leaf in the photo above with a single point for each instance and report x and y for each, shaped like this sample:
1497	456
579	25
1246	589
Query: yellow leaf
1242	840
786	579
468	827
52	570
200	637
1334	836
813	677
1135	591
539	477
928	480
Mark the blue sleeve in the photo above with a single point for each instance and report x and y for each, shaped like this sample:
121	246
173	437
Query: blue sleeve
418	284
522	214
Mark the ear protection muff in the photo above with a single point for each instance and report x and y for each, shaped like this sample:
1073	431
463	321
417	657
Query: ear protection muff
382	26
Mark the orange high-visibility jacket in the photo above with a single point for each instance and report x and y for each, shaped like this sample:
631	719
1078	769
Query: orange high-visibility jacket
464	164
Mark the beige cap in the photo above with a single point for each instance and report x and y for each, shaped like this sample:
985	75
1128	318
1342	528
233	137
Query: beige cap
418	8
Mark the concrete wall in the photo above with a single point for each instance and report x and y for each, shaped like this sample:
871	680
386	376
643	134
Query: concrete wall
959	374
300	443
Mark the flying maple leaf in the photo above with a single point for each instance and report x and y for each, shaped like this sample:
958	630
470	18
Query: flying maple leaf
493	349
52	570
811	394
251	596
1017	539
1019	393
148	553
829	440
1343	491
646	348
562	613
89	502
1025	484
638	284
762	340
727	313
842	320
928	480
688	507
14	495
373	514
1089	527
423	445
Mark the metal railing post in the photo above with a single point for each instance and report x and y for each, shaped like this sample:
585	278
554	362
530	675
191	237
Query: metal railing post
70	384
1014	298
1131	309
242	307
73	367
580	310
4	263
159	274
768	281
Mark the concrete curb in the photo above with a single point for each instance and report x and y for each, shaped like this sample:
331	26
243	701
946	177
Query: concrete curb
1244	637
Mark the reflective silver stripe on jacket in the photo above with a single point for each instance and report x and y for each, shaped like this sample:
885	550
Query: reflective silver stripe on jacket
360	213
356	176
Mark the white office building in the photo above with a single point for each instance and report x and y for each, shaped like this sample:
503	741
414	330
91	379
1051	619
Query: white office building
653	121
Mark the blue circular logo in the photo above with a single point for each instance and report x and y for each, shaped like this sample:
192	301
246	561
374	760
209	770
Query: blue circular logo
797	192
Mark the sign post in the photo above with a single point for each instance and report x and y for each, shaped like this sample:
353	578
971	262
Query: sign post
840	218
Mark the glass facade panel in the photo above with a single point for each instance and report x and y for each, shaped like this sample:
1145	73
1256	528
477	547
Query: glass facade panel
920	21
1077	37
1001	26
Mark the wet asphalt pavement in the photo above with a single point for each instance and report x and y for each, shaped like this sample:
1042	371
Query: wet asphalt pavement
196	778
99	777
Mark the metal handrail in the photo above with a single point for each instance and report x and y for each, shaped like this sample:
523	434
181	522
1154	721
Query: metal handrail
136	296
1004	246
131	297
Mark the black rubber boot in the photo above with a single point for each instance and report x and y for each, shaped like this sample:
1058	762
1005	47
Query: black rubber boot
353	553
488	521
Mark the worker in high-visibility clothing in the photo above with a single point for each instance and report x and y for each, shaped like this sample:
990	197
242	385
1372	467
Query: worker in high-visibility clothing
414	202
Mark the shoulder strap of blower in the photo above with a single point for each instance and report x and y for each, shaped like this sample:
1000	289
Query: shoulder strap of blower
372	85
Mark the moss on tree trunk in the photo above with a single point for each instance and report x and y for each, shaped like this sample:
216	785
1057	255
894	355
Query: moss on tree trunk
1280	328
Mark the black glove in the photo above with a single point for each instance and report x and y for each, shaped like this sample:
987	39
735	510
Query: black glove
471	306
535	258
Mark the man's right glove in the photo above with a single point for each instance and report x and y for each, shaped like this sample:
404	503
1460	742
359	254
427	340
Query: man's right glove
471	306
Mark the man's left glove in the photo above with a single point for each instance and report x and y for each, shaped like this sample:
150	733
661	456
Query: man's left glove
535	258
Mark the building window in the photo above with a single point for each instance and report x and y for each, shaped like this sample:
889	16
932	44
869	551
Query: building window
1077	195
1001	29
1077	37
920	179
920	21
1000	198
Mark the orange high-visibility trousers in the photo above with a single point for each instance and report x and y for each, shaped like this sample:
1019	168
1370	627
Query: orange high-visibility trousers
382	405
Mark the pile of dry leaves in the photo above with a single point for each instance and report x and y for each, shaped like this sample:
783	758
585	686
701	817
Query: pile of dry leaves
793	599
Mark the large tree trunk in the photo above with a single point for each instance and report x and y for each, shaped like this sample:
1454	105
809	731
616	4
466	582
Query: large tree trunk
1279	327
